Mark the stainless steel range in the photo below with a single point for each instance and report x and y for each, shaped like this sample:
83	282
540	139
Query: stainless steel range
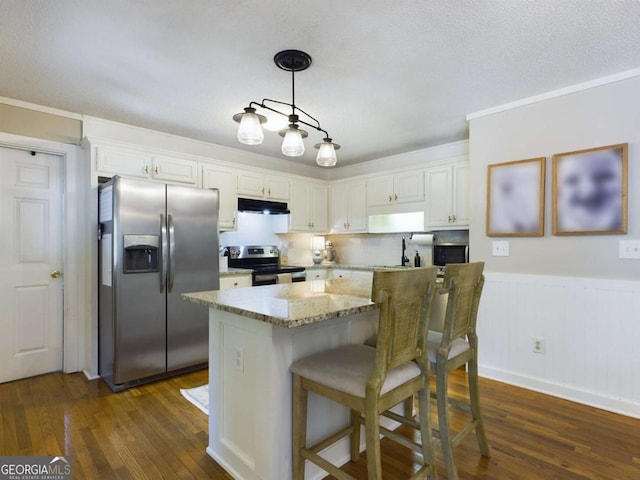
264	260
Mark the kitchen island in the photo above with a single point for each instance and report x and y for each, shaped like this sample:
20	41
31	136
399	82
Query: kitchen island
255	334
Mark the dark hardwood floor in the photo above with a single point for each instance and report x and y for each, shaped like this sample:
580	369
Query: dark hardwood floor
151	432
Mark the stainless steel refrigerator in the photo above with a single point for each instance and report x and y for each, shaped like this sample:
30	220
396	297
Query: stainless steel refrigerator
156	242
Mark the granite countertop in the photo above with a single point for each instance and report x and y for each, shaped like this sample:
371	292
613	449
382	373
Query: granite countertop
347	266
292	304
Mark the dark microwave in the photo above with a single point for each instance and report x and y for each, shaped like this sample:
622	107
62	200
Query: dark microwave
444	253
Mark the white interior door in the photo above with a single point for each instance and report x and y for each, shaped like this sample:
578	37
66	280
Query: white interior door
31	285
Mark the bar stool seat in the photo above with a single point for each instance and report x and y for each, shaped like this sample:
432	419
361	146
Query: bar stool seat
349	368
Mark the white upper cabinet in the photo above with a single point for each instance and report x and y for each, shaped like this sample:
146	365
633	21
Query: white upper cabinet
448	196
121	162
260	185
349	207
134	164
399	188
225	180
308	205
172	169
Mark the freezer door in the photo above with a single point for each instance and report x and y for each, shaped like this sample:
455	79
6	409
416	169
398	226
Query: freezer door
139	304
193	266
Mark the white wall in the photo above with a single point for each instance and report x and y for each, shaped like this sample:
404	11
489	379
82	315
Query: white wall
573	291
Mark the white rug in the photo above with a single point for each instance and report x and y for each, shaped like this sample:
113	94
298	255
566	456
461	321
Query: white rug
199	396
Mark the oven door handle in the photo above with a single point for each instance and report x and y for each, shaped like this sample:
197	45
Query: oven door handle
267	277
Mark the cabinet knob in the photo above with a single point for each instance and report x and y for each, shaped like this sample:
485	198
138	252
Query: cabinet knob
454	219
146	169
390	199
156	170
269	192
262	190
395	197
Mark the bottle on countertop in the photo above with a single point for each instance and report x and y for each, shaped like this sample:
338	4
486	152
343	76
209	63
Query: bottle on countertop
416	259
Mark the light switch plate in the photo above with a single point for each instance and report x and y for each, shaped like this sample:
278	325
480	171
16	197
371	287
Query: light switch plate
629	249
500	248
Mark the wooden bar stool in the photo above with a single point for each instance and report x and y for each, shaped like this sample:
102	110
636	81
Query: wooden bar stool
455	346
372	380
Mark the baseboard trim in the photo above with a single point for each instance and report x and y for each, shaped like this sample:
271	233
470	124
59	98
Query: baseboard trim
561	391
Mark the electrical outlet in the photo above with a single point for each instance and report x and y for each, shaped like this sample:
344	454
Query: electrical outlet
537	345
239	359
500	248
629	249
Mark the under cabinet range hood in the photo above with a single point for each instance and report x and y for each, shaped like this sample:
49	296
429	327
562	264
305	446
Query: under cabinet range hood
262	206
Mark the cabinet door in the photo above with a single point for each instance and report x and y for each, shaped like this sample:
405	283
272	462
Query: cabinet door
122	162
339	207
380	191
276	188
299	206
408	187
316	274
225	180
461	194
171	169
338	273
318	207
235	281
357	220
439	208
250	184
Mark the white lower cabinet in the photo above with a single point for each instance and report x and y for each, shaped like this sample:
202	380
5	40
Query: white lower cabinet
316	273
235	281
348	273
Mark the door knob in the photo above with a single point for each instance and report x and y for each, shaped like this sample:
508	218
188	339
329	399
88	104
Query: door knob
56	274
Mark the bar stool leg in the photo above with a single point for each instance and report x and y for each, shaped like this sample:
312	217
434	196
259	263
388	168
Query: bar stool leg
474	397
299	427
372	421
355	435
442	394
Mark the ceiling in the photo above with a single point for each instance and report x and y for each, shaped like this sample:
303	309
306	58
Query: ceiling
387	77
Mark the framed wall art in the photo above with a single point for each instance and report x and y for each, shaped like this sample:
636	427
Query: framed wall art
515	198
590	191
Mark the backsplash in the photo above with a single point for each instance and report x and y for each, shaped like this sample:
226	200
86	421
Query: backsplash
356	249
376	249
352	249
255	229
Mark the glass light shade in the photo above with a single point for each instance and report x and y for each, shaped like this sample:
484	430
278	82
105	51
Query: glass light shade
326	154
250	131
292	145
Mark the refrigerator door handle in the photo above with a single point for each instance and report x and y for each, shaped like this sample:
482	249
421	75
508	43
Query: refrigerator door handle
172	251
164	246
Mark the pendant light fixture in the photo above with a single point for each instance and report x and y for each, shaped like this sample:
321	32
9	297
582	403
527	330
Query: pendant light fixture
250	129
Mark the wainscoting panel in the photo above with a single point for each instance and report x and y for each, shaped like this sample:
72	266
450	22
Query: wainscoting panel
591	334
